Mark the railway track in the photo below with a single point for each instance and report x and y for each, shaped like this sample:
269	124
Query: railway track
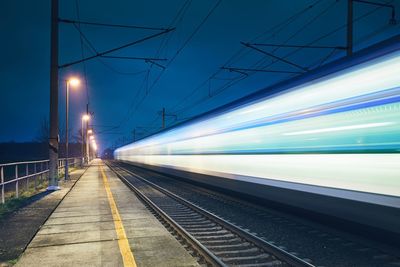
314	243
216	241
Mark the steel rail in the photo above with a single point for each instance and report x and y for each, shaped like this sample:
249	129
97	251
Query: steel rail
267	246
207	255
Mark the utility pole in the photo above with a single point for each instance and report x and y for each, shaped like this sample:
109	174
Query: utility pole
66	131
163	118
53	137
349	27
87	134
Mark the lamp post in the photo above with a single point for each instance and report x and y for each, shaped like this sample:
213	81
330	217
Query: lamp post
94	145
85	118
89	131
73	82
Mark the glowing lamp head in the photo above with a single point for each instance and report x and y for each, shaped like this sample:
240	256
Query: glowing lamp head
92	138
90	131
85	118
74	81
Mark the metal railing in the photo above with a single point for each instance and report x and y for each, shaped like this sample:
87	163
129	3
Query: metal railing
38	170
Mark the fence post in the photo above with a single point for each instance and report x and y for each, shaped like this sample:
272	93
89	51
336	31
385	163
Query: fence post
27	178
34	171
41	173
16	182
2	186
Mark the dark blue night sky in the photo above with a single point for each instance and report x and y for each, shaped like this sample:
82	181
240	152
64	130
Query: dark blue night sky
128	94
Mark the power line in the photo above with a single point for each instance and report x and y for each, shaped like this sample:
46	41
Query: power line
272	30
289	54
300	46
260	70
179	16
180	50
187	41
117	48
91	47
110	25
137	58
83	54
275	57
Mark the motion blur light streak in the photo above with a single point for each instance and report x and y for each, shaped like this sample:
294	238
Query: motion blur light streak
339	132
343	128
356	172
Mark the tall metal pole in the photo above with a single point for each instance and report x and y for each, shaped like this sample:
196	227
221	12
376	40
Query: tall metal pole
82	142
66	131
53	135
87	135
349	27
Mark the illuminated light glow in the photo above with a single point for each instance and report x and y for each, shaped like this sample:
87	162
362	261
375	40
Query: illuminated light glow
86	117
91	138
253	110
355	122
373	173
370	77
90	131
74	81
270	138
342	128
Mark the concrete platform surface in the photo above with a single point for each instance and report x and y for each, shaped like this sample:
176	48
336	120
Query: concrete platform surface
101	222
18	228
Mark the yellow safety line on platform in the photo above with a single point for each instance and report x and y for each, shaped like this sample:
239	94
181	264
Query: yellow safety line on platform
123	243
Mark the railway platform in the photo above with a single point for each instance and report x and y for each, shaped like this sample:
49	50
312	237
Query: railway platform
101	222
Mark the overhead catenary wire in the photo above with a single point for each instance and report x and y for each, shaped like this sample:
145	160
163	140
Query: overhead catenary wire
210	12
192	105
110	25
91	47
280	25
179	16
234	81
116	48
180	49
236	56
82	54
145	80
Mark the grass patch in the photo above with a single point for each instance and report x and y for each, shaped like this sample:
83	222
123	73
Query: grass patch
12	205
26	191
12	262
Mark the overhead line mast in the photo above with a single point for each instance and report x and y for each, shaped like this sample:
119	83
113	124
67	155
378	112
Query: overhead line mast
53	135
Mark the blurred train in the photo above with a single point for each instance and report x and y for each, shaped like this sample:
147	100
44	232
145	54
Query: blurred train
326	142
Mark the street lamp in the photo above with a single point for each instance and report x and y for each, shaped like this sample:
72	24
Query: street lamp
89	131
85	118
94	145
74	82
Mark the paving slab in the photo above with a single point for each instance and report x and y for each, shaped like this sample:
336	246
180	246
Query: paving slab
84	229
19	227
